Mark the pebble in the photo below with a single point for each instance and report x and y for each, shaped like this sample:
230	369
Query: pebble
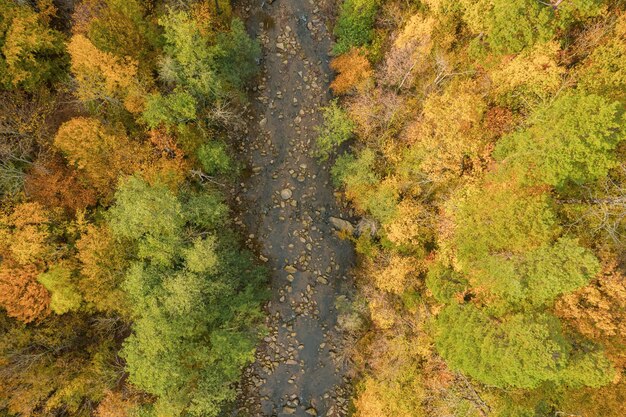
286	193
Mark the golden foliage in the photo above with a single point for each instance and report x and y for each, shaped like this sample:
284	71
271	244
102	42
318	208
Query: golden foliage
603	71
211	16
20	294
529	77
412	226
101	76
103	263
167	163
381	311
116	404
354	72
98	153
609	401
25	233
447	139
598	311
394	386
398	275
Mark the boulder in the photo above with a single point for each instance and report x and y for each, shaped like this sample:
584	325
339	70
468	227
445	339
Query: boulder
341	224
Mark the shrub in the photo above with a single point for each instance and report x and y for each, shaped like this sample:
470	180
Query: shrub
337	129
214	159
355	24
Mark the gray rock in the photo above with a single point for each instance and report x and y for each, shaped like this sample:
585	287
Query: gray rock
367	227
341	224
285	194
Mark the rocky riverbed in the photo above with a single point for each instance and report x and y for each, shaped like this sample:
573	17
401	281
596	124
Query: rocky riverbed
285	205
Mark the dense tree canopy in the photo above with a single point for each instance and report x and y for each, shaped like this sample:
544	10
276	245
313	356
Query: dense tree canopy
123	289
31	53
184	295
488	150
519	351
479	145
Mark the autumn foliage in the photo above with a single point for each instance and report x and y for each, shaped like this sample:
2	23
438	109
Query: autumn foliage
54	184
487	147
353	72
21	294
114	239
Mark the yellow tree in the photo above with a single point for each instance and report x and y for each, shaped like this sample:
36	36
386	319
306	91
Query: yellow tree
100	154
104	77
530	77
24	244
354	71
103	264
31	53
447	139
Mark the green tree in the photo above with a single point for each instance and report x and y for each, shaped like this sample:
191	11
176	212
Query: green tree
149	215
571	141
214	158
235	55
337	129
519	351
65	296
355	24
507	241
206	210
173	109
510	25
195	298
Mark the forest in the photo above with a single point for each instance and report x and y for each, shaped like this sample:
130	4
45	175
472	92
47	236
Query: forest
486	138
123	286
480	146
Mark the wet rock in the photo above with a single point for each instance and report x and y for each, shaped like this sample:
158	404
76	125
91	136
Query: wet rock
341	224
286	194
